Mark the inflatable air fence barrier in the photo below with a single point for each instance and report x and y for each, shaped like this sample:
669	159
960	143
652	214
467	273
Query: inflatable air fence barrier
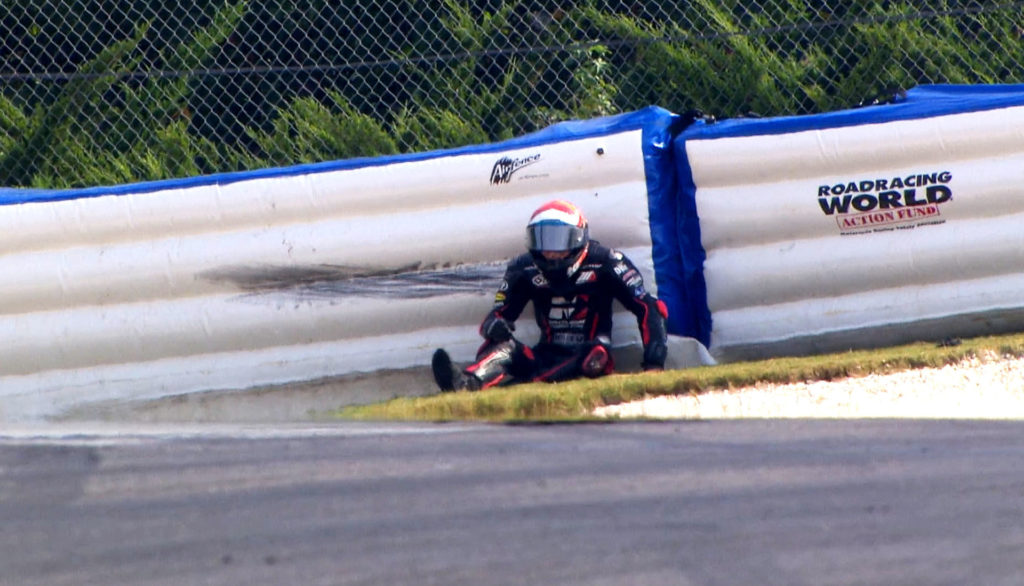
305	273
873	226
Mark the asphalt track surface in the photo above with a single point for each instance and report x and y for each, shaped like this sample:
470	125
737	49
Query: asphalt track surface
789	502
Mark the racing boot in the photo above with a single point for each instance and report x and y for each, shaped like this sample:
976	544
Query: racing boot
448	376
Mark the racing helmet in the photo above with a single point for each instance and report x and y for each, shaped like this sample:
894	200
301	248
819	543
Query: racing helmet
558	226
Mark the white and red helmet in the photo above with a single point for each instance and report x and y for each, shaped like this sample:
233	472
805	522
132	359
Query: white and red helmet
558	226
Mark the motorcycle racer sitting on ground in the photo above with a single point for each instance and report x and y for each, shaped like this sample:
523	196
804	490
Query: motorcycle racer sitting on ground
572	282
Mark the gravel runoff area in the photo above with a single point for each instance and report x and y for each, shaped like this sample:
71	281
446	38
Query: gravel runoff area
989	387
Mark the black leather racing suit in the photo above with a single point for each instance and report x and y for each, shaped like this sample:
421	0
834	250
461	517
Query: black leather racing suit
575	319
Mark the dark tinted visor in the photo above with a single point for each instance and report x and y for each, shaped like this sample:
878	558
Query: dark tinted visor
554	237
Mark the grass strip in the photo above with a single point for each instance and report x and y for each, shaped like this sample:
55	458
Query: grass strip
576	400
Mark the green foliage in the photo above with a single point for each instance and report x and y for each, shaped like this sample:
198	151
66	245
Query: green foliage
308	131
103	128
53	127
432	128
14	126
595	87
494	91
146	92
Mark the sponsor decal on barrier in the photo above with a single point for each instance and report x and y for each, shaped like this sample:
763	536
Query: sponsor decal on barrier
863	206
506	166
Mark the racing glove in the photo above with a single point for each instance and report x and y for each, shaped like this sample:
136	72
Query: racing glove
654	355
497	329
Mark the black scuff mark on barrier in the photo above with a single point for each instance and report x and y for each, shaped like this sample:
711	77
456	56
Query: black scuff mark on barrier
274	278
329	282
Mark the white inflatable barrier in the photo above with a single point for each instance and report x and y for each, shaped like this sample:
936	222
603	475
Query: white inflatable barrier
275	277
775	236
867	227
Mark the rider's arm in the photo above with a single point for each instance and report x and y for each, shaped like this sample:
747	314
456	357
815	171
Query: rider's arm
650	311
511	298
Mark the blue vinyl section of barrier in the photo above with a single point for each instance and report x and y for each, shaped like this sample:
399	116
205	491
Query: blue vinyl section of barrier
662	204
692	318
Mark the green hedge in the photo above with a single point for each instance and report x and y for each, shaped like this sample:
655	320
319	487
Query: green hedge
150	93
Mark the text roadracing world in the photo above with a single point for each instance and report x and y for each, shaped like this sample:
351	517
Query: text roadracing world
877	203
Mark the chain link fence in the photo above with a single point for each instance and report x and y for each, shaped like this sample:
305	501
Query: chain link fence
94	92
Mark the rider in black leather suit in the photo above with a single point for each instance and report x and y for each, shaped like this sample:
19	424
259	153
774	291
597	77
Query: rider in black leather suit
572	282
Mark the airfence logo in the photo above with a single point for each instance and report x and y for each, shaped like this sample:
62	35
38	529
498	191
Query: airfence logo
881	205
505	167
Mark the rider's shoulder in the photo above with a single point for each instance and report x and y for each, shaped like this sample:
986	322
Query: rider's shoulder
598	253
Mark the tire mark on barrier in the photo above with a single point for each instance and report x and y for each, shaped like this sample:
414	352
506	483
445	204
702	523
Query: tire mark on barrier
331	281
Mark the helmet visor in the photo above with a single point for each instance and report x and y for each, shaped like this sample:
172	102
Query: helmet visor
556	237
